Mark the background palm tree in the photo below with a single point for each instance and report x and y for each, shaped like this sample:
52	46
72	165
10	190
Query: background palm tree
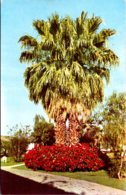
68	63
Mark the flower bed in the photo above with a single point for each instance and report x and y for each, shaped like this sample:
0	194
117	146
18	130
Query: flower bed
80	157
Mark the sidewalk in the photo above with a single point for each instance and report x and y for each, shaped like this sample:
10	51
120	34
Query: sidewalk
81	187
11	166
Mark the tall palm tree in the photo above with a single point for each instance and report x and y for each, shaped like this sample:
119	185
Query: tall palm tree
68	64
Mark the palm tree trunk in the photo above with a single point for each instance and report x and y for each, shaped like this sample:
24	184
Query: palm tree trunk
74	129
68	135
60	129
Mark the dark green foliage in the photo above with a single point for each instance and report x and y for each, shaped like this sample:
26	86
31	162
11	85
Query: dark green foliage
43	131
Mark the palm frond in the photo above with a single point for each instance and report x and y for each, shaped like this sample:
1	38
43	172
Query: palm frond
105	33
28	41
41	26
93	24
110	57
102	72
27	56
48	44
54	24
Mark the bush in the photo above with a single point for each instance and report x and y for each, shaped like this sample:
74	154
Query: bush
64	158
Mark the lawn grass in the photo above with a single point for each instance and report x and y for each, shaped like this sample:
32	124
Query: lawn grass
100	177
10	161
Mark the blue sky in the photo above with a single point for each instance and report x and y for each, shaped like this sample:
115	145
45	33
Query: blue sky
17	18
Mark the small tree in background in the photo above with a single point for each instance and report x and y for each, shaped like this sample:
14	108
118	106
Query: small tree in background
19	141
5	147
114	117
43	131
114	125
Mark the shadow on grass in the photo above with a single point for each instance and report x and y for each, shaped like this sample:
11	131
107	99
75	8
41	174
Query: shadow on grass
13	184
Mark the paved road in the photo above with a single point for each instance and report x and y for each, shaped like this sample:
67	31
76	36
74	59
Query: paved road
14	184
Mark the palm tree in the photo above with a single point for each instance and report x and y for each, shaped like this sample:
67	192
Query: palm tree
68	64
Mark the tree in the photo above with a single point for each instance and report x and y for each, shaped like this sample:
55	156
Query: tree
92	129
114	121
5	147
19	141
43	131
114	117
68	62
